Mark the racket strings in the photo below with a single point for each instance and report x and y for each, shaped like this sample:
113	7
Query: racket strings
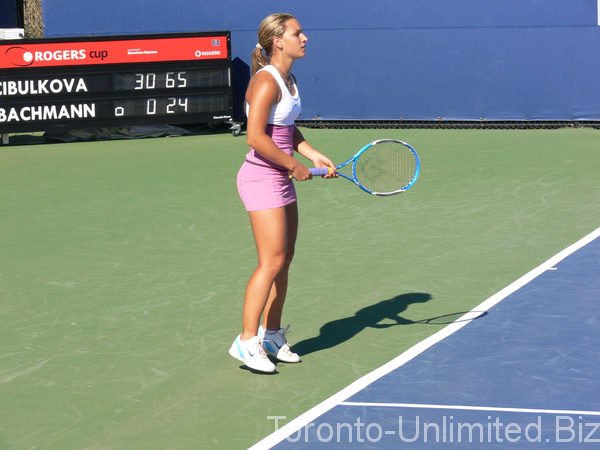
386	167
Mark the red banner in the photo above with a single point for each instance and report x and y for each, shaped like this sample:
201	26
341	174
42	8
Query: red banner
57	54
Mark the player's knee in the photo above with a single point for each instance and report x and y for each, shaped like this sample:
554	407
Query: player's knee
274	264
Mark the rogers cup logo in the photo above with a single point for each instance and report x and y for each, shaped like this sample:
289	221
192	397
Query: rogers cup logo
19	56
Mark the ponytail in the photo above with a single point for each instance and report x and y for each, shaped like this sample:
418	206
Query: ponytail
259	60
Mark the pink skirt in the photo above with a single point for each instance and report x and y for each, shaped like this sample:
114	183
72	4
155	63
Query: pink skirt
262	184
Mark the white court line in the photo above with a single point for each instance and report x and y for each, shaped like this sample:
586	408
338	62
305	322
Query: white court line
336	399
476	408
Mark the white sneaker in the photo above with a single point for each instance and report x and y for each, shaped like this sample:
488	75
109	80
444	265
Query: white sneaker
277	345
252	354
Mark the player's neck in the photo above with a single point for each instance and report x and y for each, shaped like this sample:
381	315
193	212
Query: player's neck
284	66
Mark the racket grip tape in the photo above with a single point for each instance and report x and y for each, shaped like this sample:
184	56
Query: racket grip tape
321	171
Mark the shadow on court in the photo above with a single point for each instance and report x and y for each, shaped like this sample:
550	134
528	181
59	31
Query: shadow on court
341	330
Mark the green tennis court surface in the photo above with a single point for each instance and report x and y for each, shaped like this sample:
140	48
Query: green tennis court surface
124	265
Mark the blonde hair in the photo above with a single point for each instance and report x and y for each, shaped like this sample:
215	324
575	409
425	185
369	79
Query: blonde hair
270	27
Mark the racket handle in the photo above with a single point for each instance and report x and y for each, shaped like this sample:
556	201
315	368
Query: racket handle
321	171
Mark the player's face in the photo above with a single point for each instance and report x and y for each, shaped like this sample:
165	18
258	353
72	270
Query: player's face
294	40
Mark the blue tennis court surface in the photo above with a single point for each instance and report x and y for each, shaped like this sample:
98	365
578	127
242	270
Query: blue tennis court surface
521	370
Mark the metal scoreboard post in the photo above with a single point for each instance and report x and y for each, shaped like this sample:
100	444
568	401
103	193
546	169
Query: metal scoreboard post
115	81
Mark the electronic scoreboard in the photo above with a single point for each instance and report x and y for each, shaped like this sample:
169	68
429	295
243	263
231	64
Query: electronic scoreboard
115	81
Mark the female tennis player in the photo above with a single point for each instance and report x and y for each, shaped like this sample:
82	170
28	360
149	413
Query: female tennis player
266	188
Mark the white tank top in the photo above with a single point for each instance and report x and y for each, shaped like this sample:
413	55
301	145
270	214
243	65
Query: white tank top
288	109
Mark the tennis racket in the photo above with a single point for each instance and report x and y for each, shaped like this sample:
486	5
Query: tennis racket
383	167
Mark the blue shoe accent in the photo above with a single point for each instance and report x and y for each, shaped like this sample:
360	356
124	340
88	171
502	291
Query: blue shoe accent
237	342
269	347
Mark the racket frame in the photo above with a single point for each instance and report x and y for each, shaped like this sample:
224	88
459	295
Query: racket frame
325	171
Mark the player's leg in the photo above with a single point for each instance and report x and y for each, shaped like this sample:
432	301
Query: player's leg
270	234
274	308
274	336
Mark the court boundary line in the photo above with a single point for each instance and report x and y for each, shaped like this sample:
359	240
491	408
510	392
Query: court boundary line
337	399
474	408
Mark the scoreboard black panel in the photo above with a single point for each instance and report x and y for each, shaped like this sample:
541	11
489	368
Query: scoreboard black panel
113	81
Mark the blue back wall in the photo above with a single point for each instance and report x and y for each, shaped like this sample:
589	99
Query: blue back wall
393	59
